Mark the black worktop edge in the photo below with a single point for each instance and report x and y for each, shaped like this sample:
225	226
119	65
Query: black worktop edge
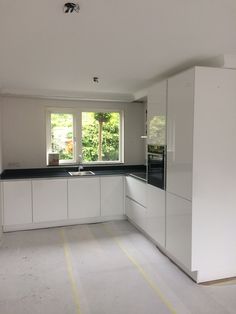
32	173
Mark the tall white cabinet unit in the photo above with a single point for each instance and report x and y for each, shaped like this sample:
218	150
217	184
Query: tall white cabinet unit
201	172
156	132
180	117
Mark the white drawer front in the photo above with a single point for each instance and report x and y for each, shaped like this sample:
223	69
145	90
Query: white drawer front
137	190
136	213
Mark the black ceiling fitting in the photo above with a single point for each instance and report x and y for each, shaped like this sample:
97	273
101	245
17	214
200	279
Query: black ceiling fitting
71	7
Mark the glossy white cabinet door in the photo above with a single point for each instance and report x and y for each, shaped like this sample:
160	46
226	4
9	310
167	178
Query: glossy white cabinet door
136	212
214	173
112	195
1	210
17	203
156	114
156	214
136	190
49	200
179	228
180	117
83	198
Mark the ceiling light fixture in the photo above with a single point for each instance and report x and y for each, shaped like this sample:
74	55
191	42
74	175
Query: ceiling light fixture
71	7
95	79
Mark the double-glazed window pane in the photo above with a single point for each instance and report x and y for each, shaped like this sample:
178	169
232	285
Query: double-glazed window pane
100	136
62	135
98	139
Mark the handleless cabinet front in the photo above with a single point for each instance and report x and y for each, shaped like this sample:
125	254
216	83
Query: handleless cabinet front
156	214
179	229
136	190
136	212
112	195
83	198
17	203
180	115
49	200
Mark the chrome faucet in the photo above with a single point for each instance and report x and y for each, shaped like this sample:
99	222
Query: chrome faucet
80	166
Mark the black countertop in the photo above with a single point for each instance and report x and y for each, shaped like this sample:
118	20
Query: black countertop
138	171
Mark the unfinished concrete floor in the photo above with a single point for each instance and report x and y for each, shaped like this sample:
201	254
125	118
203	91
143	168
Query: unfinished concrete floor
108	268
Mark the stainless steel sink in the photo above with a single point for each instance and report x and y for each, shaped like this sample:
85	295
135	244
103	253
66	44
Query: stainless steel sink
81	173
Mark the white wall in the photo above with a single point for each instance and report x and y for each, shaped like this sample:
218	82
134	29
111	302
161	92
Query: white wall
24	129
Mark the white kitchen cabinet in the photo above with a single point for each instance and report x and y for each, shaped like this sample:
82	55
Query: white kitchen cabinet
112	196
156	114
155	214
84	197
49	200
136	190
180	134
136	213
1	212
17	203
201	167
179	228
135	201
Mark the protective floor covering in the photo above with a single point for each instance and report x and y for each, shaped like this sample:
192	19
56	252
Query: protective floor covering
108	268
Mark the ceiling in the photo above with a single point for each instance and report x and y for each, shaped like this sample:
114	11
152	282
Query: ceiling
128	44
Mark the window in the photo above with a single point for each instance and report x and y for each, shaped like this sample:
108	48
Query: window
100	136
61	136
94	135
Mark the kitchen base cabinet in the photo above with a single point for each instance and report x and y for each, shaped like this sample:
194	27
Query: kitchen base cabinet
44	203
84	198
112	196
49	200
136	190
135	201
17	203
155	224
136	213
179	229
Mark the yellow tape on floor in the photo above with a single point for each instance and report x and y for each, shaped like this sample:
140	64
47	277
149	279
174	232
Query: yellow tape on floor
142	272
70	271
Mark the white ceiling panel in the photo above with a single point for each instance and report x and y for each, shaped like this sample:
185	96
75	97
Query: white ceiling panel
128	44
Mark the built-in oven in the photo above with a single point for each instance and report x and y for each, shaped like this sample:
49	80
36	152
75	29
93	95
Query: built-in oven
156	165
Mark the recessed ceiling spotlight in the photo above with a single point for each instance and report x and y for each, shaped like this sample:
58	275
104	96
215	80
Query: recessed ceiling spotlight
71	7
95	79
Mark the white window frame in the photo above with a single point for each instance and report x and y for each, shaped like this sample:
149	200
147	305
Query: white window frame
77	134
48	133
